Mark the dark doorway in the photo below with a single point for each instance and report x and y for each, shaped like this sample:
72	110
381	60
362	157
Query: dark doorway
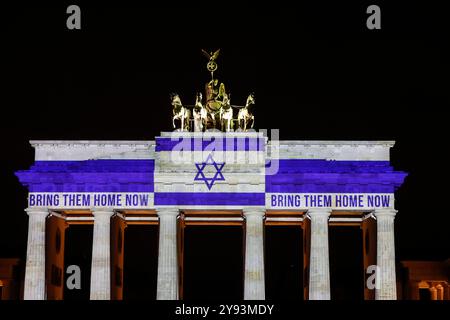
284	262
140	262
346	263
213	263
78	251
424	294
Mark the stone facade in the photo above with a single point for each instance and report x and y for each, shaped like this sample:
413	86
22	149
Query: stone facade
239	171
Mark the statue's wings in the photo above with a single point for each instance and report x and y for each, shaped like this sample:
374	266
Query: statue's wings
215	55
206	54
221	90
211	56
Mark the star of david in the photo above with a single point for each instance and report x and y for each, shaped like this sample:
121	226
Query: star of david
218	176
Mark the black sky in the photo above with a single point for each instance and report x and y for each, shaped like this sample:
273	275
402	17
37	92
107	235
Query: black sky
316	70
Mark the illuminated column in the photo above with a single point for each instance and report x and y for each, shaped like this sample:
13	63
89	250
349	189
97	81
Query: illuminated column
414	290
167	287
433	293
101	261
254	254
319	265
34	288
385	255
440	292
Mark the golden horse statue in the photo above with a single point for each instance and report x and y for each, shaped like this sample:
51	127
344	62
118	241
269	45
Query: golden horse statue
216	112
181	115
245	115
200	114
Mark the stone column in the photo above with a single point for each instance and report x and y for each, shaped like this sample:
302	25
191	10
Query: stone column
319	265
433	293
413	290
254	254
101	255
167	286
34	287
440	292
385	255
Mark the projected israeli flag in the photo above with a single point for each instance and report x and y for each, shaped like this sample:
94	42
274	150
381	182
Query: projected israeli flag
210	169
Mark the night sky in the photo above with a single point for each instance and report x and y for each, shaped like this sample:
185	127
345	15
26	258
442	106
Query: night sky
316	70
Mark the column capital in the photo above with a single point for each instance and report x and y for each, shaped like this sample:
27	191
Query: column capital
37	211
384	212
102	211
169	211
254	211
318	212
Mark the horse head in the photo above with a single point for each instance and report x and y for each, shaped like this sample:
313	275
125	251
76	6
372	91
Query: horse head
198	101
250	100
175	100
226	101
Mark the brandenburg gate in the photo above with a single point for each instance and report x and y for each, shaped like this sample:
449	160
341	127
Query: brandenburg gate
215	170
253	183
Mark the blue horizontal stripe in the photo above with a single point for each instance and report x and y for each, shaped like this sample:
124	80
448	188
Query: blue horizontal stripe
90	187
331	188
302	175
109	175
213	199
101	165
323	165
293	176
